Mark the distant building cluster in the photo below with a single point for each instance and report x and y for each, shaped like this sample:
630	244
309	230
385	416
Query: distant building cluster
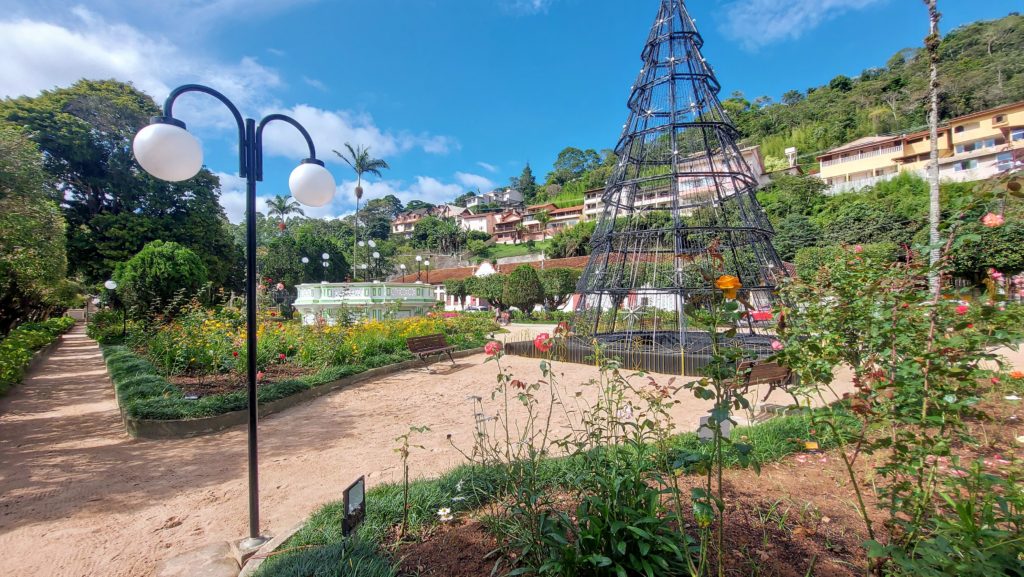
502	214
972	147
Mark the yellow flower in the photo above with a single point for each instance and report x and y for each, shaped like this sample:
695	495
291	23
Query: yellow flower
728	284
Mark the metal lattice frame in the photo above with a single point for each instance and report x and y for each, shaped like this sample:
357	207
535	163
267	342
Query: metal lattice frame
679	211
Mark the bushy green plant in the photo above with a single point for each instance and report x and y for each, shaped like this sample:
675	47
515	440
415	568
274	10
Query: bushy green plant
106	326
920	366
810	261
523	289
17	347
157	276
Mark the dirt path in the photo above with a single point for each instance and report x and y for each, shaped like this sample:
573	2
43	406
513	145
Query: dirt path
80	498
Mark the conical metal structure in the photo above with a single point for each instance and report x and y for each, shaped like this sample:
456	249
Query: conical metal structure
679	216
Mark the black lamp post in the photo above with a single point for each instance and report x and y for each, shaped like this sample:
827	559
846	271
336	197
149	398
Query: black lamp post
166	150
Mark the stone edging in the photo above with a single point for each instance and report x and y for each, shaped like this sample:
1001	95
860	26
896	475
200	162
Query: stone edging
253	563
180	429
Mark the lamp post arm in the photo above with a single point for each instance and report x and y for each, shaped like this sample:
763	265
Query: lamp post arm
243	143
259	140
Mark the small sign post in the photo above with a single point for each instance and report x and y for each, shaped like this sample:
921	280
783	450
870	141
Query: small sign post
354	500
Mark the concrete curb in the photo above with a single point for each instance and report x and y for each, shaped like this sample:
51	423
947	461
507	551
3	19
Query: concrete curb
257	559
181	429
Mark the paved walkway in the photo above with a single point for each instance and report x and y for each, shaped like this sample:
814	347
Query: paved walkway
80	498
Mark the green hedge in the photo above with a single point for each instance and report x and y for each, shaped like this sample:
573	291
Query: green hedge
810	260
144	393
17	348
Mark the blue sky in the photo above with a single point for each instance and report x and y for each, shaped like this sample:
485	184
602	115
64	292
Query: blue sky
454	94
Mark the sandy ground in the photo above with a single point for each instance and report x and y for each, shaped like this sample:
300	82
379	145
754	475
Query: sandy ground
80	498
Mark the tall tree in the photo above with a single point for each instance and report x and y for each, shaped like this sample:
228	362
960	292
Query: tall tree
32	242
281	207
932	42
112	208
361	162
527	183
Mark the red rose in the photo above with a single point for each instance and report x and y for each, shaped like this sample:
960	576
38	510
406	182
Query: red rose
542	342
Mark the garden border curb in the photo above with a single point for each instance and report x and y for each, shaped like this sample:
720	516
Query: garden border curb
186	428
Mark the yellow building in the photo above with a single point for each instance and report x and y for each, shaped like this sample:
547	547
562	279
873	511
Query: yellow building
972	147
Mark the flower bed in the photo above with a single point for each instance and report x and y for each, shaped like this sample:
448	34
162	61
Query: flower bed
159	371
17	348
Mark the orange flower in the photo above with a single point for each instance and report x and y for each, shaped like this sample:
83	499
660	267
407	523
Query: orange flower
728	284
1017	375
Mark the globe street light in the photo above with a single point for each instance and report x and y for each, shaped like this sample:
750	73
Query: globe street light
426	263
419	263
111	285
166	150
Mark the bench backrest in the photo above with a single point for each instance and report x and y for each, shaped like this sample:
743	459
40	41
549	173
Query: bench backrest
426	343
766	373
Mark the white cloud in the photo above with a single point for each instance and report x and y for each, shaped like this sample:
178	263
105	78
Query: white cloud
757	23
527	6
232	197
425	188
488	167
474	181
332	129
315	83
42	55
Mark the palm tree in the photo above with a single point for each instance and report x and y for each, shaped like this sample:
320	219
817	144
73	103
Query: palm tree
932	44
520	231
362	163
283	206
543	218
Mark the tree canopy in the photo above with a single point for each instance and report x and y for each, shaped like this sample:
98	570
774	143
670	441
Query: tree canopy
111	206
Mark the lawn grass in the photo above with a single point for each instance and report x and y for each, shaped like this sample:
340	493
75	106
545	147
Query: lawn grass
316	548
508	250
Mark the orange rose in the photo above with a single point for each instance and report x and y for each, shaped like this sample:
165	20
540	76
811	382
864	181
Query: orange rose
1017	375
728	284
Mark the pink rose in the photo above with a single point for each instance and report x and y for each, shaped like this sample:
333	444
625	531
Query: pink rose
492	348
996	275
993	220
962	309
858	249
542	342
777	346
259	376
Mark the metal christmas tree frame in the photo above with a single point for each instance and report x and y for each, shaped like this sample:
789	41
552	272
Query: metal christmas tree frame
680	213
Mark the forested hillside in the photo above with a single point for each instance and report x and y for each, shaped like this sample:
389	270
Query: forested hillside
982	65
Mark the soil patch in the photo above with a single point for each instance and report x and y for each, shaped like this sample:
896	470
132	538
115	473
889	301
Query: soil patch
219	384
797	517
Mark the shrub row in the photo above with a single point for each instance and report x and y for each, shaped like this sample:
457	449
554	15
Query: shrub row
144	393
316	549
17	348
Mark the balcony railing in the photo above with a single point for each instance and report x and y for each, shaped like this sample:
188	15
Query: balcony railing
863	155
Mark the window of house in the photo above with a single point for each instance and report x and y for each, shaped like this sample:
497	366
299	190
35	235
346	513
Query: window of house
965	165
1017	134
999	119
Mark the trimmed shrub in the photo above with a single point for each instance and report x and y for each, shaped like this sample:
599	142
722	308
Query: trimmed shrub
17	348
158	275
523	289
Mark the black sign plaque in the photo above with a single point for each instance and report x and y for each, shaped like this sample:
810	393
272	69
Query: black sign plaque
354	500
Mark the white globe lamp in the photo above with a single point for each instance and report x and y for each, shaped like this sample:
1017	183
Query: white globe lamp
110	285
312	184
168	151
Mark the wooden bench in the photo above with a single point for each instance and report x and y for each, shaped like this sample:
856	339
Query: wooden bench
753	373
430	345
